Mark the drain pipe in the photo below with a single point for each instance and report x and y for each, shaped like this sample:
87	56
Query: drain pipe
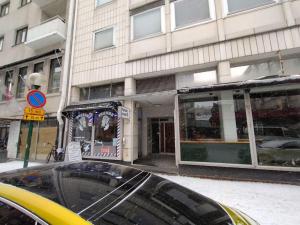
65	77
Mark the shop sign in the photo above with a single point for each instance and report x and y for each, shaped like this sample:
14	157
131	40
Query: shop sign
125	114
30	117
73	152
34	111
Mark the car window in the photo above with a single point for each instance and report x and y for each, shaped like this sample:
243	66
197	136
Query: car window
9	215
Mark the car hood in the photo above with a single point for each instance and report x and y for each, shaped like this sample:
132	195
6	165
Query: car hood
110	194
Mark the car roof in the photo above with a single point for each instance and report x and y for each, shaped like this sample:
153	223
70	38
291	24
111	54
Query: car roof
109	194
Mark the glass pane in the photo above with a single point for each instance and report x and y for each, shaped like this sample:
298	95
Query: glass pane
38	68
84	94
213	129
276	117
1	43
147	23
100	92
104	39
106	127
55	73
238	5
11	216
191	11
101	2
21	82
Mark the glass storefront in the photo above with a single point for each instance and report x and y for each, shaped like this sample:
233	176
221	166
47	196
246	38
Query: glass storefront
276	117
214	128
98	132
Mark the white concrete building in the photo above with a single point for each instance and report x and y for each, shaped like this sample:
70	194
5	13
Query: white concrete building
160	58
32	39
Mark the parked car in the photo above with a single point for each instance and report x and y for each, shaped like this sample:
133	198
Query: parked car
107	194
281	151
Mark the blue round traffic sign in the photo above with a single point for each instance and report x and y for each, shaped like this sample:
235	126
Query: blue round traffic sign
36	99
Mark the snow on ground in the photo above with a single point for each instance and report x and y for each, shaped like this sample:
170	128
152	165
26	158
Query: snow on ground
268	204
13	165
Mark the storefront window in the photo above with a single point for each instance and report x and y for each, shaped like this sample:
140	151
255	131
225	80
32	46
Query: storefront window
106	131
276	117
82	130
214	129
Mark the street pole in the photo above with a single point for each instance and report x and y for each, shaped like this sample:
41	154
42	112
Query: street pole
28	145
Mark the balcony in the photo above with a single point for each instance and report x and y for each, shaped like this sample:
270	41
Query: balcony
50	32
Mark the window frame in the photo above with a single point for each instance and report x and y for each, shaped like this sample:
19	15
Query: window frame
18	96
16	35
37	219
162	24
102	30
212	13
1	43
103	4
50	77
27	2
38	63
5	4
227	13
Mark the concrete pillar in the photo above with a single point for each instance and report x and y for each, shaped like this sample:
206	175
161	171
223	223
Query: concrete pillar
224	75
13	139
229	131
130	86
75	94
130	133
219	17
288	13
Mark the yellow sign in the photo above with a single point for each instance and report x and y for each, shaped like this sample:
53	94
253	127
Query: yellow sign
33	111
33	117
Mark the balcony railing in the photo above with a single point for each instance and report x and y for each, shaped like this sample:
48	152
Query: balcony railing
48	33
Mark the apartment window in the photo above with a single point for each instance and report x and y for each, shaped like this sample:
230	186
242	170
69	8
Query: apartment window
104	39
238	5
55	73
21	82
1	43
4	9
102	2
147	21
8	83
188	12
25	2
21	35
38	67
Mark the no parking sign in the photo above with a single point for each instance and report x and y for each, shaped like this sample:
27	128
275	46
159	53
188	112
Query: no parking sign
36	99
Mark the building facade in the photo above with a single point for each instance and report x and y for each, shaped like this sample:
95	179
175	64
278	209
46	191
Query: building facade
209	82
32	40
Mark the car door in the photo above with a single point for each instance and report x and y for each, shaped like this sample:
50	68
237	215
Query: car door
13	214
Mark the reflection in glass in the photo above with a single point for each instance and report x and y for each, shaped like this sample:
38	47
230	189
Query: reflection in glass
276	118
214	129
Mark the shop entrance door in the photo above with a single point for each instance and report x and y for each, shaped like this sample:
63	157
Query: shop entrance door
163	136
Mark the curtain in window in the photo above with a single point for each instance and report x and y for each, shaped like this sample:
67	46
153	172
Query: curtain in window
104	39
238	5
147	23
191	11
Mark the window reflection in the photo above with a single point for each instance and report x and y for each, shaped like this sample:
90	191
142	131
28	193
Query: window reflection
276	117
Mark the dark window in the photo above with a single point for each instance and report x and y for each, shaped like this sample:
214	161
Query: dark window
4	9
104	91
21	35
1	43
11	216
39	67
8	82
55	73
21	82
25	2
155	84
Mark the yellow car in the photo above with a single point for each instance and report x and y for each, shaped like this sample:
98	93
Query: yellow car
86	193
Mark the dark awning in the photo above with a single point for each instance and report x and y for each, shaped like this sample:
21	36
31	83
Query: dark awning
90	106
261	82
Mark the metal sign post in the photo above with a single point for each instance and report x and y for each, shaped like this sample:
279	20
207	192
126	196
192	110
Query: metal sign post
36	100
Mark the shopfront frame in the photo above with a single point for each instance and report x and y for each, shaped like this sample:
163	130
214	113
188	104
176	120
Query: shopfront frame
247	87
112	109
